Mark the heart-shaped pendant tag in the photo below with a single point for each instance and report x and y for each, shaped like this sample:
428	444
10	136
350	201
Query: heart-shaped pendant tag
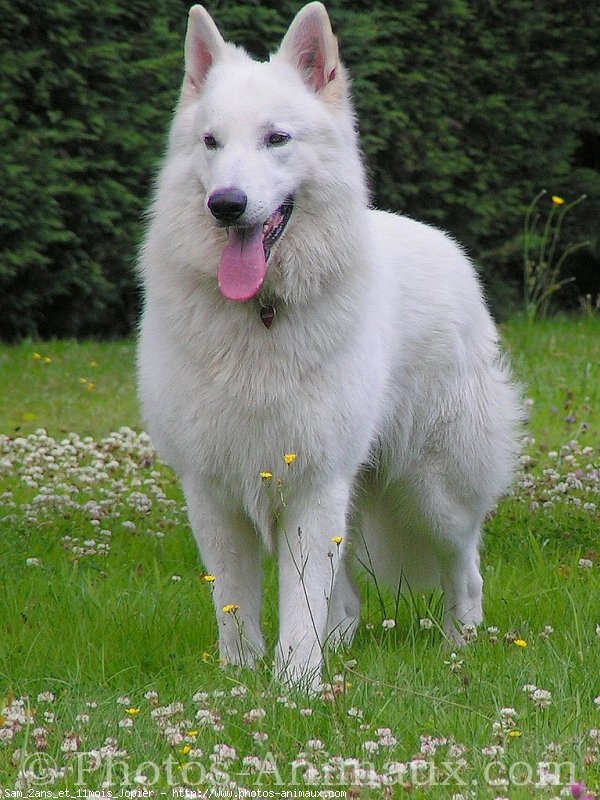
267	315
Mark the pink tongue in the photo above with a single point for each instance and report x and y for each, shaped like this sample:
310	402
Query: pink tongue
243	267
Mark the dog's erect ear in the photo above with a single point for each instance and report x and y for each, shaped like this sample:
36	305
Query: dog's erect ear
310	46
203	46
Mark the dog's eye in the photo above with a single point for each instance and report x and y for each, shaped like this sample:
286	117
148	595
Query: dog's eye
277	139
210	142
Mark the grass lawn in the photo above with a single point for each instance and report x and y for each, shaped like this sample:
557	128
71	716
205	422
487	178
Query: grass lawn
109	669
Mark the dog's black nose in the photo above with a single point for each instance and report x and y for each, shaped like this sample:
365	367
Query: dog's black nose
227	205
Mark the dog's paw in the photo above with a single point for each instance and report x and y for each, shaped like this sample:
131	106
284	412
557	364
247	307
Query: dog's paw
299	678
298	674
460	634
341	634
241	654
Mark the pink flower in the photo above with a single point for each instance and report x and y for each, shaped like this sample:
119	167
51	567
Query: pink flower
578	790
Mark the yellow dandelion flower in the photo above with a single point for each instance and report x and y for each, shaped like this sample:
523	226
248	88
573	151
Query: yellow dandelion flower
93	364
83	381
266	475
36	356
515	733
209	578
337	539
132	711
47	360
558	201
186	749
520	642
289	458
91	386
231	608
193	733
206	657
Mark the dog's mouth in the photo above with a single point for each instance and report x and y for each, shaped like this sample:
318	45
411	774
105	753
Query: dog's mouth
274	227
243	266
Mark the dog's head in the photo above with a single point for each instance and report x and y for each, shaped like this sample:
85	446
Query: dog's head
264	139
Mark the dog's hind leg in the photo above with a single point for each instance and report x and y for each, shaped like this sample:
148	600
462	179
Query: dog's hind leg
344	605
462	585
452	524
230	550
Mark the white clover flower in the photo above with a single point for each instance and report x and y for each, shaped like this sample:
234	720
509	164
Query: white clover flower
315	744
71	744
493	751
388	624
455	663
224	752
254	715
542	698
312	775
469	632
396	768
370	746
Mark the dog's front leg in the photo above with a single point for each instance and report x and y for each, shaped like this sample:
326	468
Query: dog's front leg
307	569
231	553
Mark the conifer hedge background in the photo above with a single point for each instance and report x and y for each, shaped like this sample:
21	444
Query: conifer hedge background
466	108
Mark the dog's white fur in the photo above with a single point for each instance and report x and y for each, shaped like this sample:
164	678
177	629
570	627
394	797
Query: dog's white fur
381	370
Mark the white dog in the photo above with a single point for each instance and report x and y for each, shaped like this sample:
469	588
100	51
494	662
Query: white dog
283	316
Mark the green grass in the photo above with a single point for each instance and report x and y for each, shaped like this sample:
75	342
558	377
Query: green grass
558	361
93	628
63	386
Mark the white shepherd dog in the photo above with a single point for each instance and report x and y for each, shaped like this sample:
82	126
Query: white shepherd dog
283	316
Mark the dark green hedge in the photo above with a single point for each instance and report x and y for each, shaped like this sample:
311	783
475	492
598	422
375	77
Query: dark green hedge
466	108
